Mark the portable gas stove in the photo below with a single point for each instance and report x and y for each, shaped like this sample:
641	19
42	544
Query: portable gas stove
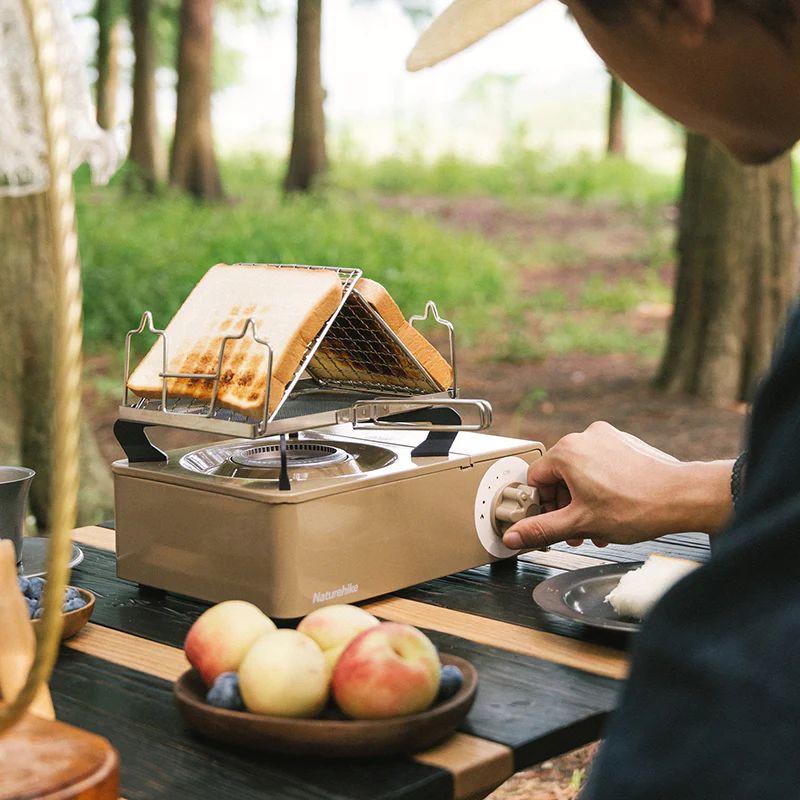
348	490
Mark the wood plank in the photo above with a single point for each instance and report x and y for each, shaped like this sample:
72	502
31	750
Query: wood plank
586	656
477	765
94	536
130	651
558	559
533	709
500	594
503	591
161	760
682	545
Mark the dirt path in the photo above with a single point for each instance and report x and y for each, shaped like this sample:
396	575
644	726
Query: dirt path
565	246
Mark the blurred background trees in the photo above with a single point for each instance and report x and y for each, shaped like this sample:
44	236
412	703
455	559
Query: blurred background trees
589	276
193	162
736	273
108	15
144	146
616	117
307	157
26	368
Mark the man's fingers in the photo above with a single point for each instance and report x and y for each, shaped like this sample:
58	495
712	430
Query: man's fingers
575	542
544	472
542	530
547	494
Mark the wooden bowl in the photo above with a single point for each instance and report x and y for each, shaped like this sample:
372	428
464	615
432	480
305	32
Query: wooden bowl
75	620
327	738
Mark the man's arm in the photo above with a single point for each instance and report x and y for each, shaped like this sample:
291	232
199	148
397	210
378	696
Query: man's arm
610	486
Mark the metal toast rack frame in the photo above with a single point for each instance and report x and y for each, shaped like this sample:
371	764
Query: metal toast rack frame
356	370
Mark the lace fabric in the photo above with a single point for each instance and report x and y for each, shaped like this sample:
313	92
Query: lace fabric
23	155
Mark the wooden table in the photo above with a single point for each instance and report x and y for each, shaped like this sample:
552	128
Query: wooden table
546	685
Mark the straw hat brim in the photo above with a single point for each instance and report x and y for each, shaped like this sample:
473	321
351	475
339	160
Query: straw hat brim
460	25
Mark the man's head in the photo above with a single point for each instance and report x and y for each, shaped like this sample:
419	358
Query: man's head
727	68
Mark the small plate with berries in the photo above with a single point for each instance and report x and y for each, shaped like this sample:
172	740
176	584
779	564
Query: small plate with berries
342	685
76	607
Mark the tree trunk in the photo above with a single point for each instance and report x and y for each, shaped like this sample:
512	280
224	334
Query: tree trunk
616	118
307	160
144	124
193	164
108	92
109	43
736	273
26	366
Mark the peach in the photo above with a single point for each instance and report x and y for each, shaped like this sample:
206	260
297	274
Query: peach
284	674
387	671
220	637
334	627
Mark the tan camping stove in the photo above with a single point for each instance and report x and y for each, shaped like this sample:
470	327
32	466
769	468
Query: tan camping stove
349	490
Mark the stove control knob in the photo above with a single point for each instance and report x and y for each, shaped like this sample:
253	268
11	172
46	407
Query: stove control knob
514	503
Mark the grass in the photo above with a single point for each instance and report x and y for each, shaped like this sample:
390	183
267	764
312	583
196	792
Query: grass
146	253
591	334
521	173
624	295
142	252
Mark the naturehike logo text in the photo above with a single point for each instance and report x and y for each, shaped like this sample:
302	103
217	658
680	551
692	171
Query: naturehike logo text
323	597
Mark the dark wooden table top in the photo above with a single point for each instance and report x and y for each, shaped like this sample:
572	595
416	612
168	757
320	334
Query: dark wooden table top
546	684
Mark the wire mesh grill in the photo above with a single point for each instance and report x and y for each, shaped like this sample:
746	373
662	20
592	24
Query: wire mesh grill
361	351
356	355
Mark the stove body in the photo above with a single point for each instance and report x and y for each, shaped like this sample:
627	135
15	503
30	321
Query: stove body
363	516
366	477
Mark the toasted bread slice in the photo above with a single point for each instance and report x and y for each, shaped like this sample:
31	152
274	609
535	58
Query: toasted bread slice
427	355
289	306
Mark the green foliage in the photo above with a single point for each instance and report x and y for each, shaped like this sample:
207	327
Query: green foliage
624	295
593	334
530	400
520	173
518	346
146	253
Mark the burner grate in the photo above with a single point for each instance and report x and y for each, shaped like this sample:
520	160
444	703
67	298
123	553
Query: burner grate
298	454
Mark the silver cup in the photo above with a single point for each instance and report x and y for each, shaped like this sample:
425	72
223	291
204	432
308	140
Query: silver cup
14	485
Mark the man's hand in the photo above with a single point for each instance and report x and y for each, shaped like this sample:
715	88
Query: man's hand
610	486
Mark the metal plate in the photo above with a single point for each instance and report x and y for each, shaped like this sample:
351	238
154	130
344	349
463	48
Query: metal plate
34	556
581	594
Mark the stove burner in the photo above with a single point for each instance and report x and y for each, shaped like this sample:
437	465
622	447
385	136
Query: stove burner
299	454
309	459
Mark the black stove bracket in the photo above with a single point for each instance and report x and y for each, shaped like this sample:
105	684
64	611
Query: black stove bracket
437	443
132	438
284	484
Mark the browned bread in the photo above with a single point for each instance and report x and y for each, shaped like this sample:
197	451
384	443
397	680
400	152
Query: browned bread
420	347
289	306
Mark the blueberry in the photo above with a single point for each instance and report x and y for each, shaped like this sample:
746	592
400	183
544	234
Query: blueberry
36	588
449	683
225	692
38	612
32	606
24	584
71	593
73	605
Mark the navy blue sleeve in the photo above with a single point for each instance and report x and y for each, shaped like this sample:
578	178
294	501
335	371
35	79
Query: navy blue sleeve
712	706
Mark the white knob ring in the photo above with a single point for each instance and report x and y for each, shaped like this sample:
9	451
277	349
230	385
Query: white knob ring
511	469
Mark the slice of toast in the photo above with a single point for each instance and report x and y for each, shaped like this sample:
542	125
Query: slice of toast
289	306
427	355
